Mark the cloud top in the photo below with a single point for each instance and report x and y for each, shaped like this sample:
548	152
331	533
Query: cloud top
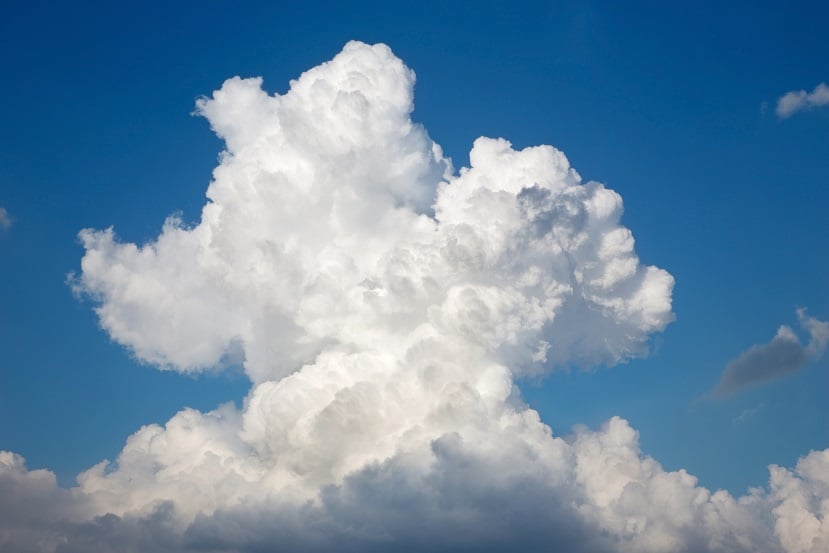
783	355
334	223
800	100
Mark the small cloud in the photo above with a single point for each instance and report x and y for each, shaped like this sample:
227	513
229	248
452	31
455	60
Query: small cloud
748	413
799	100
783	355
5	219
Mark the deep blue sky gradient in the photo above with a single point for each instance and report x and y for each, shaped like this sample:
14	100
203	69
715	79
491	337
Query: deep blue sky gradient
663	103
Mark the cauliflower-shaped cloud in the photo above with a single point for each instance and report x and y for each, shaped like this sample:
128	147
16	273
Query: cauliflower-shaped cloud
335	223
383	305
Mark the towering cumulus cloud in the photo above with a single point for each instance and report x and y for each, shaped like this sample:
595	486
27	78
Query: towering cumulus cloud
383	305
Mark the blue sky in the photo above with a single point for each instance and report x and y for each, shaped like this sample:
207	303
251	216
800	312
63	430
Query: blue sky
664	104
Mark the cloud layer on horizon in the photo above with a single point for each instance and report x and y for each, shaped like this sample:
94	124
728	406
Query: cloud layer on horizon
383	305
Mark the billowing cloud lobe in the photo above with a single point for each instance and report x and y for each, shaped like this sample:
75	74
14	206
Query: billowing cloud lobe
383	305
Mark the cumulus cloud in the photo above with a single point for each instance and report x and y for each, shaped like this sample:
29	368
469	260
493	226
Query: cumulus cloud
383	306
5	219
335	223
800	100
595	493
783	355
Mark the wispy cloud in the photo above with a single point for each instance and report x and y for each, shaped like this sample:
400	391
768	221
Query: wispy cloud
784	354
5	219
799	100
746	414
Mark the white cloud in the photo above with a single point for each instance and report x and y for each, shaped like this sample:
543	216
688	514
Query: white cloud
383	306
518	489
318	235
783	355
799	100
5	219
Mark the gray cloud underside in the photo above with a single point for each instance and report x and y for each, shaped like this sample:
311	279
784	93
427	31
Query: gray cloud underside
463	501
783	355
